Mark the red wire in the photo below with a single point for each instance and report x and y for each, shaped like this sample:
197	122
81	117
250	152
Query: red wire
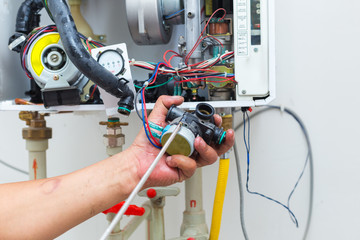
147	121
175	54
88	45
93	92
201	34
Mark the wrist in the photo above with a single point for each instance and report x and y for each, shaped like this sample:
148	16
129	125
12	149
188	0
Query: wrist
127	172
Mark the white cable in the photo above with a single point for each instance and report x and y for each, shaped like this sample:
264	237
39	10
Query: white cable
140	184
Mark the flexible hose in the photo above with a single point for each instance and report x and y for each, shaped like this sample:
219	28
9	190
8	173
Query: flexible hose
83	60
27	17
224	165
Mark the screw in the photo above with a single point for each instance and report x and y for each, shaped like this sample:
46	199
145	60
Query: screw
87	97
56	77
190	15
256	49
243	91
54	58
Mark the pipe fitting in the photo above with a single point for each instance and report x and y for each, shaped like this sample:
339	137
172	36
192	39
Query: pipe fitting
37	129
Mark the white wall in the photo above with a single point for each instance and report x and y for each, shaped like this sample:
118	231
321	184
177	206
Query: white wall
317	76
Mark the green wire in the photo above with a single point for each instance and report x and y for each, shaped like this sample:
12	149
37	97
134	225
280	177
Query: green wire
162	84
48	10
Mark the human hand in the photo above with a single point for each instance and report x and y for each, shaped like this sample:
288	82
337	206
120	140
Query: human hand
177	168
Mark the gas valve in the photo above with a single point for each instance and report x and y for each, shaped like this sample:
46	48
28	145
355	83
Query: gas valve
199	123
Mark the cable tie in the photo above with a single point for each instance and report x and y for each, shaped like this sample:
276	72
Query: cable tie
225	73
177	72
90	39
146	84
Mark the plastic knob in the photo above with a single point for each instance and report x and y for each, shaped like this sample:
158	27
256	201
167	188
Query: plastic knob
151	193
132	210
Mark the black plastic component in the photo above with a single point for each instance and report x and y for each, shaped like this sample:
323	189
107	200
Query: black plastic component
28	16
189	97
27	19
34	93
152	94
201	126
83	60
205	111
70	96
95	99
226	4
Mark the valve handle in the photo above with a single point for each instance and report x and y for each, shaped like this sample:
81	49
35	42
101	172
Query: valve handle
132	210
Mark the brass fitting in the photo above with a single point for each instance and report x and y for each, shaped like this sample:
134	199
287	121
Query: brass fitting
114	137
37	129
227	122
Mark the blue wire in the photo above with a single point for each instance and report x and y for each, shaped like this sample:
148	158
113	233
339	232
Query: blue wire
144	123
156	69
173	14
247	145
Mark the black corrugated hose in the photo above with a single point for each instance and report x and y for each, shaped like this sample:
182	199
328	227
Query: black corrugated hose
83	60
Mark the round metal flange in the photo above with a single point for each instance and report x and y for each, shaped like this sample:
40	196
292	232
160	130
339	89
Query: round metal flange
146	22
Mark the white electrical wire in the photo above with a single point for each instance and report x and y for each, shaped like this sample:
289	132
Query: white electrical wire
140	184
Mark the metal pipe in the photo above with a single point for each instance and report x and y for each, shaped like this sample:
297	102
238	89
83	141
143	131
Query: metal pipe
193	26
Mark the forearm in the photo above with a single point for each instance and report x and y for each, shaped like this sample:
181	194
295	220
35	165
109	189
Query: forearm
44	209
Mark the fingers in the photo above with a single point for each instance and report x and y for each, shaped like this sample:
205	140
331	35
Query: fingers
162	106
207	154
186	166
218	120
229	142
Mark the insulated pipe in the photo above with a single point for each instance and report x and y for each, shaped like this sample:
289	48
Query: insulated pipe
27	17
83	60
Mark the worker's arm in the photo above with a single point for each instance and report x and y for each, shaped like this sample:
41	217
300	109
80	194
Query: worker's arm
44	209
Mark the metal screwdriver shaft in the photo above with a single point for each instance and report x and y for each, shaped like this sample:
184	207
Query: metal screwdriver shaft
140	185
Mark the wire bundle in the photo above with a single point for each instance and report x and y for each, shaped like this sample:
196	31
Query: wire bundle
199	72
144	117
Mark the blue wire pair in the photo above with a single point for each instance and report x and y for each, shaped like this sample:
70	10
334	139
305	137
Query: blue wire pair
247	145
